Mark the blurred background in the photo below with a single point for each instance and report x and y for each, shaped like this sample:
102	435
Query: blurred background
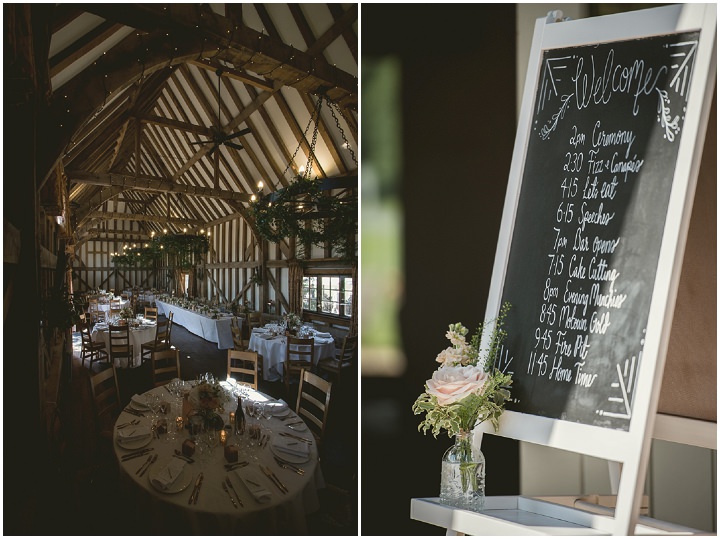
441	88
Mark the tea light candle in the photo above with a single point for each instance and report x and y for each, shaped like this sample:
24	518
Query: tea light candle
223	437
179	422
232	418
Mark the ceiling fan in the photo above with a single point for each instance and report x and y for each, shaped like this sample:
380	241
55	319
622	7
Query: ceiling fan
219	138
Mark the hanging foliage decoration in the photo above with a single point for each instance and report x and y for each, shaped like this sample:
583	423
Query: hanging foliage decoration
183	250
307	210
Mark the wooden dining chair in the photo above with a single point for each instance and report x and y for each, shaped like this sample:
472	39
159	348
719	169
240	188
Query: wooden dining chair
242	365
93	310
115	307
120	345
151	313
313	402
160	342
345	358
165	366
298	356
254	320
236	330
106	401
94	351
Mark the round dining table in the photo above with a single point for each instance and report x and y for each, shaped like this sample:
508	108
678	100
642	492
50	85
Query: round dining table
273	349
139	335
269	492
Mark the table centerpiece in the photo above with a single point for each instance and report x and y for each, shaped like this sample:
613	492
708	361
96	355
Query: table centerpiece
466	390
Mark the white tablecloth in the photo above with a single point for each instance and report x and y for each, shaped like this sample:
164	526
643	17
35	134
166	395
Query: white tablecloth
213	330
106	306
273	351
214	514
138	337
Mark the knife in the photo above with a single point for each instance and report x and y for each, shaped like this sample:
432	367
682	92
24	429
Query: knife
194	490
274	479
296	437
227	480
144	464
154	458
225	488
131	456
197	493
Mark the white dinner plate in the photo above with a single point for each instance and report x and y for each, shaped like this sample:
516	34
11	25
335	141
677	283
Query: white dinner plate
134	444
300	427
282	412
293	459
180	484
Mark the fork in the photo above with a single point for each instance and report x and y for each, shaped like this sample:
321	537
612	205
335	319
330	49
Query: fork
128	424
282	464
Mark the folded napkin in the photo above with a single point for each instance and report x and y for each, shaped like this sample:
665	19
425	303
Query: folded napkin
266	336
323	335
323	340
259	330
132	433
277	407
251	479
291	446
167	476
138	402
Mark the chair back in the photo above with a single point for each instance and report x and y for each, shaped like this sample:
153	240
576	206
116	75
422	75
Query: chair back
165	366
162	333
170	326
120	345
106	397
243	367
151	313
85	334
254	320
313	402
236	331
300	352
347	353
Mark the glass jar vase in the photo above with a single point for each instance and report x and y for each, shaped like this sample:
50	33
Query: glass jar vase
462	482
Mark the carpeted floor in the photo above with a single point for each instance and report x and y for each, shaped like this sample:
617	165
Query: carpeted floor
84	498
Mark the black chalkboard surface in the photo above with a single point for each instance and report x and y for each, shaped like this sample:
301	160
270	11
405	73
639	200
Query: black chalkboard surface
595	187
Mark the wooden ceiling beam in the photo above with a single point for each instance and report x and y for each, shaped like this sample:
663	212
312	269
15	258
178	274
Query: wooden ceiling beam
165	185
120	216
94	38
246	78
64	14
176	124
348	33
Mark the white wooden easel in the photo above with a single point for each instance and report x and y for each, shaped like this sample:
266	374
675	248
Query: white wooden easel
629	450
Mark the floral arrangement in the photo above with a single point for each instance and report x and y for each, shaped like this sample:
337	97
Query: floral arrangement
126	313
206	399
466	389
292	320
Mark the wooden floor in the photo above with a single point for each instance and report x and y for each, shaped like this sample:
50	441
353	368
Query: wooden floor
80	494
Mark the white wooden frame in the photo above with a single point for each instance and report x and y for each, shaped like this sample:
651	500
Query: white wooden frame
630	448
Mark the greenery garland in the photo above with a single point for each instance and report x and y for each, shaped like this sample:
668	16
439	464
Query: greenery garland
184	246
303	210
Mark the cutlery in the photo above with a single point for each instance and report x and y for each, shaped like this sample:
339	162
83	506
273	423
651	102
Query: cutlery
231	467
274	479
149	464
291	424
128	424
179	455
227	480
131	456
144	464
133	412
195	488
197	493
287	434
224	486
288	466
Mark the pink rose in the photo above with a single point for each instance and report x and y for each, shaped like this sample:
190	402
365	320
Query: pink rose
451	384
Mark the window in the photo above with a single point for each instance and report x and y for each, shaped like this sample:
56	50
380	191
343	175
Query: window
328	294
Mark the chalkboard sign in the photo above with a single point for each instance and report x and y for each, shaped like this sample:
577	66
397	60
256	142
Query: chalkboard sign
598	172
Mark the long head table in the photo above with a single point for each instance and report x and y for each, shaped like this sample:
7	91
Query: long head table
213	330
168	510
